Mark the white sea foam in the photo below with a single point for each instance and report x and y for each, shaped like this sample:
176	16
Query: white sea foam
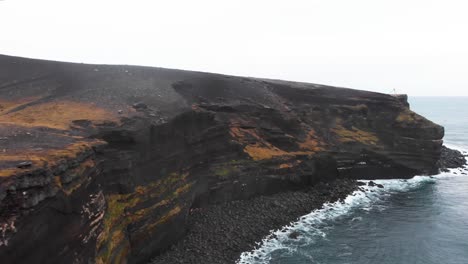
316	224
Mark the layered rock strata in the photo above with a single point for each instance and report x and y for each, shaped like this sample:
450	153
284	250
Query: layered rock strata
106	162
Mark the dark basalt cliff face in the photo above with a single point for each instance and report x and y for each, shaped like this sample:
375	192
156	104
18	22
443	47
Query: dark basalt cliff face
102	164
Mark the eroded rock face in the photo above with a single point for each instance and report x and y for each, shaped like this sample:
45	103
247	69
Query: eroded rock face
450	159
118	155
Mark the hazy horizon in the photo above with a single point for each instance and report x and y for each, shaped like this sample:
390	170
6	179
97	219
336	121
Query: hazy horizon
413	47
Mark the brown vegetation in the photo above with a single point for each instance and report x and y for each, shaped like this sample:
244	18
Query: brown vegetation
57	114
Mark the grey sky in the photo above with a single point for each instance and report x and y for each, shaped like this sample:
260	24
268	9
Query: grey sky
419	47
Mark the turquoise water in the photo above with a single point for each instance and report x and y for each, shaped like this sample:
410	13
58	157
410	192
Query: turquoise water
422	220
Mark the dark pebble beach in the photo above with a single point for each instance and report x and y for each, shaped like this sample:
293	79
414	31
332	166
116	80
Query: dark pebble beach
220	233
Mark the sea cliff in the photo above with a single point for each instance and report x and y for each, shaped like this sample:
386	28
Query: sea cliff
104	164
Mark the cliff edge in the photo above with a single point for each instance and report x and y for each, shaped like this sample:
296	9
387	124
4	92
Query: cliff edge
103	163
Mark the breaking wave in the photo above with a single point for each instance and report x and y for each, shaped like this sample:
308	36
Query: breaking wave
315	225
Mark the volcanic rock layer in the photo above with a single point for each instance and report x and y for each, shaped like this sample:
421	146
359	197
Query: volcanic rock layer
103	164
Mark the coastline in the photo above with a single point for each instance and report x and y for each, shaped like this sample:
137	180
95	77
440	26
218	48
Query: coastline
115	175
220	233
306	239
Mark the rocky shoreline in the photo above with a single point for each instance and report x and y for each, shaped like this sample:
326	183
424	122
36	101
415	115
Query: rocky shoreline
220	233
112	163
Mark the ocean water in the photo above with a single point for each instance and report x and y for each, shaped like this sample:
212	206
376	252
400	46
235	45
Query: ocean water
423	220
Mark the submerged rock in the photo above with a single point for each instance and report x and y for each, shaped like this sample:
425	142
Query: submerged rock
294	235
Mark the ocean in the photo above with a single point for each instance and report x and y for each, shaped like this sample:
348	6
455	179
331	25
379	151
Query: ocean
423	220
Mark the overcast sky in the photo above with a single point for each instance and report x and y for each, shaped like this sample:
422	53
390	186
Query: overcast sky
418	47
